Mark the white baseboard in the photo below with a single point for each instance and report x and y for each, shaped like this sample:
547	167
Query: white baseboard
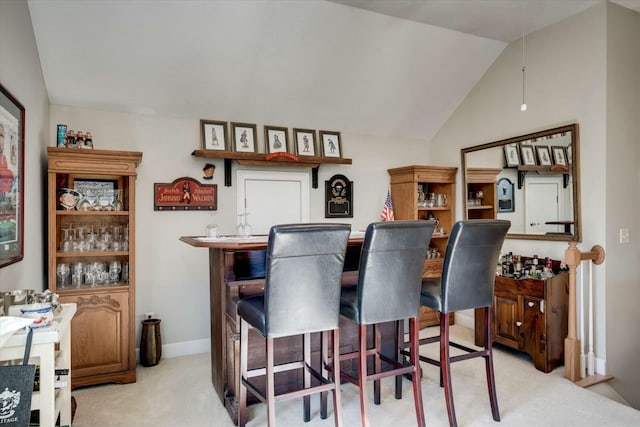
183	348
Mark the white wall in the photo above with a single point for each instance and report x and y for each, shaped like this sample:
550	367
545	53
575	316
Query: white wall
623	200
21	75
172	277
566	77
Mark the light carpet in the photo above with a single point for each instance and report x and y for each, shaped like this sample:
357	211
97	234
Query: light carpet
178	393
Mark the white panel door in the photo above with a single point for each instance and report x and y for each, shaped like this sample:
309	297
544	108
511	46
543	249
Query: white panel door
543	203
272	198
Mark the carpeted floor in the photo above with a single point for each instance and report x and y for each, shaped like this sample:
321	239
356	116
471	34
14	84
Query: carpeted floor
178	393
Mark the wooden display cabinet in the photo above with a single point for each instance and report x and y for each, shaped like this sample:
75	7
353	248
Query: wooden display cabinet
484	180
103	329
405	184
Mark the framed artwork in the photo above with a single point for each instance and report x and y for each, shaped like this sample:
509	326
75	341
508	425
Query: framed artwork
331	145
304	141
559	156
11	179
544	156
213	134
528	156
569	156
98	192
276	139
338	192
504	189
511	155
244	137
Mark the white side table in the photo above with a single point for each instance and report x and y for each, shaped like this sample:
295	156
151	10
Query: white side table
51	349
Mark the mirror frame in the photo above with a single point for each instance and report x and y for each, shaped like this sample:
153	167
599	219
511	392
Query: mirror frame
575	171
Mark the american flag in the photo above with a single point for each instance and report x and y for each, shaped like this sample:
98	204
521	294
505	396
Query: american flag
387	210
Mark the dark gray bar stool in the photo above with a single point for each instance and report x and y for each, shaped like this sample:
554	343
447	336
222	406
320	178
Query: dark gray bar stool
468	276
388	290
304	265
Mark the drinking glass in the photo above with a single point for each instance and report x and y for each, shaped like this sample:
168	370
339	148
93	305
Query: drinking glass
62	272
243	229
114	271
116	204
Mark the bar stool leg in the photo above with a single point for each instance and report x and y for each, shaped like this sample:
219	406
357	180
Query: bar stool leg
445	365
491	382
362	374
244	342
270	376
337	396
400	358
378	363
306	381
324	362
414	336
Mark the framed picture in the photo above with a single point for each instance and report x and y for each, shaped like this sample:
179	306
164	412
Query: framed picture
569	155
331	146
99	193
544	156
511	155
528	156
11	179
305	142
244	137
276	139
559	156
213	135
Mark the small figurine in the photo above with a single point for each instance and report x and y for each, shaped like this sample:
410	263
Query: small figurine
208	171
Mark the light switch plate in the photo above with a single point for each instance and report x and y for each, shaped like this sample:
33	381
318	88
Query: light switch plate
624	235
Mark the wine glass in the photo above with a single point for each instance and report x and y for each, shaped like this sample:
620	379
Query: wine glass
62	271
243	229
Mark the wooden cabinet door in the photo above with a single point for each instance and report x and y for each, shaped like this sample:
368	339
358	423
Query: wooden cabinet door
99	333
535	340
507	324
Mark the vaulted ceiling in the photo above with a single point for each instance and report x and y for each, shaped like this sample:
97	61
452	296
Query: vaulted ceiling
387	68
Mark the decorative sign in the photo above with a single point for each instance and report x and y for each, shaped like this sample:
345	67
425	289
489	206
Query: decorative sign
505	196
185	194
339	197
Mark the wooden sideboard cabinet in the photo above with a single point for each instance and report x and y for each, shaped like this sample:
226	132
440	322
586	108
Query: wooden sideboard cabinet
531	315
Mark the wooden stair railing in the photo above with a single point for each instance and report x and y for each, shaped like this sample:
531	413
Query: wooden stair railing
572	345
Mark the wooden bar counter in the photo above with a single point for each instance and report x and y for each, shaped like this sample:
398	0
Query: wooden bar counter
236	270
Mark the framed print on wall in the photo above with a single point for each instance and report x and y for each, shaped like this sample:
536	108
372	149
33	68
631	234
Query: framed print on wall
331	145
244	137
528	156
305	142
511	155
544	156
276	139
11	179
213	134
559	156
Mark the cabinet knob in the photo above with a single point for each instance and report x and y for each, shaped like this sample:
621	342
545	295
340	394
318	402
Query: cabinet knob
531	303
518	323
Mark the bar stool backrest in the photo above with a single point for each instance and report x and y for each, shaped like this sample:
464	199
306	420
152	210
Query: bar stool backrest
304	265
390	274
469	269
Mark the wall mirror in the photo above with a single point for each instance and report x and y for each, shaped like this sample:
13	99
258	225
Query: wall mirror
531	180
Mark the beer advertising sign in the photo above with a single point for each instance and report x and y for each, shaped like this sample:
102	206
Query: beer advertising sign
185	194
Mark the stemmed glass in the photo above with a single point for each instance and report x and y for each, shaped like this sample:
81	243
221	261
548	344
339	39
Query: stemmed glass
243	229
116	204
62	271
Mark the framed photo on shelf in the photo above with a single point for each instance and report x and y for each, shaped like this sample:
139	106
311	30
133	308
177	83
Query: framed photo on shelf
559	156
304	141
511	155
12	115
528	156
213	134
276	139
544	156
244	137
99	193
331	145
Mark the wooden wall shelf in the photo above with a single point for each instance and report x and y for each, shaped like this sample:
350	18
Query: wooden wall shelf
260	159
544	170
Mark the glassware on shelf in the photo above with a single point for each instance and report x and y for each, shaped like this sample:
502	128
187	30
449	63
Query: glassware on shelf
66	245
116	204
114	271
62	273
